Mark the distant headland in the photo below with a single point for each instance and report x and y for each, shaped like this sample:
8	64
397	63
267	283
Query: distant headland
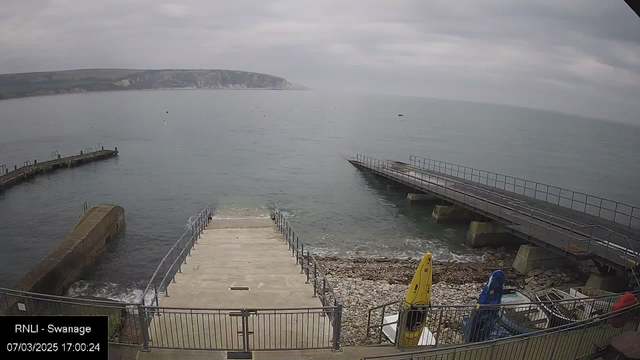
85	80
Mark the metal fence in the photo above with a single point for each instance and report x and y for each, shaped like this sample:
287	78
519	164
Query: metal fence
593	205
243	330
175	257
308	264
449	325
126	326
314	272
533	224
571	341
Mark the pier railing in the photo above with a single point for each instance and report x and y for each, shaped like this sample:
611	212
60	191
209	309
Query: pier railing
175	258
450	324
570	341
589	204
572	237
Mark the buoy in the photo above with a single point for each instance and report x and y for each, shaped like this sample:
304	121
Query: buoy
167	111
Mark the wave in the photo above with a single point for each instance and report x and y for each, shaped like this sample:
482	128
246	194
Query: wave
130	294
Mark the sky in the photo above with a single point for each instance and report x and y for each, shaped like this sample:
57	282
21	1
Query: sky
573	56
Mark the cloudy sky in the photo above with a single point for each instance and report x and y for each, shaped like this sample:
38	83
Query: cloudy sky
575	56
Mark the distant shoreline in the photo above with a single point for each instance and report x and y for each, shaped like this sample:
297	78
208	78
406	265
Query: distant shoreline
139	90
23	85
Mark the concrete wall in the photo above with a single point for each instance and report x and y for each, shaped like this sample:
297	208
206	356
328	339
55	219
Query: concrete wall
453	214
486	233
531	257
62	266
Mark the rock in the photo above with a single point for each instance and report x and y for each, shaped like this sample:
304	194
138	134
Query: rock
534	272
362	283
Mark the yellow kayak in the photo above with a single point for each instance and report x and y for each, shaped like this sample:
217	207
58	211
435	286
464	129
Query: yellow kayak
417	299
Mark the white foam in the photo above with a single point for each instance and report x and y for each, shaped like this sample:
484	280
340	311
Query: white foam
131	294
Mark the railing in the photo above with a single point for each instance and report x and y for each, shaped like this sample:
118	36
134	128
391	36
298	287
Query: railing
126	326
243	330
175	257
570	341
314	272
568	235
449	324
308	264
234	330
589	204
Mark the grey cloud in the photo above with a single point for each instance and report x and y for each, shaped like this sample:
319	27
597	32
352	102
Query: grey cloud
579	57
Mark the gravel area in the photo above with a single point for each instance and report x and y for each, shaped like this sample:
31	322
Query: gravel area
362	283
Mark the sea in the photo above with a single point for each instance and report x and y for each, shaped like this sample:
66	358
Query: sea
247	151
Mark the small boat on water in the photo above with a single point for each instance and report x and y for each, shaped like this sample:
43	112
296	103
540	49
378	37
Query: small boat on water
521	315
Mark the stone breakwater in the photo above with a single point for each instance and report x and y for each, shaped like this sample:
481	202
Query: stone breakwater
362	283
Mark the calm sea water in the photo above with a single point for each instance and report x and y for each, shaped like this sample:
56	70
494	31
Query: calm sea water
243	150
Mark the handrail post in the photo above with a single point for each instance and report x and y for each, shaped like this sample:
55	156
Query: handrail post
302	260
384	308
144	327
337	327
155	290
324	290
315	278
308	265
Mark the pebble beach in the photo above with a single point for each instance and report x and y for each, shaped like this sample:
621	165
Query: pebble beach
363	283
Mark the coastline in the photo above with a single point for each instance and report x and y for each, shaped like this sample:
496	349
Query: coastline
362	283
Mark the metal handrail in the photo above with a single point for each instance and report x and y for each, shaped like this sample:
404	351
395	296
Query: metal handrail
584	324
540	219
168	271
297	248
237	309
460	171
569	303
58	298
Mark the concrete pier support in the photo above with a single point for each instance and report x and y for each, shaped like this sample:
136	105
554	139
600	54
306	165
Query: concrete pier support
532	257
451	214
481	234
606	282
421	197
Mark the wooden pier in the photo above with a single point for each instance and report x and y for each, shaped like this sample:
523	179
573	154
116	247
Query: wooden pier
29	170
